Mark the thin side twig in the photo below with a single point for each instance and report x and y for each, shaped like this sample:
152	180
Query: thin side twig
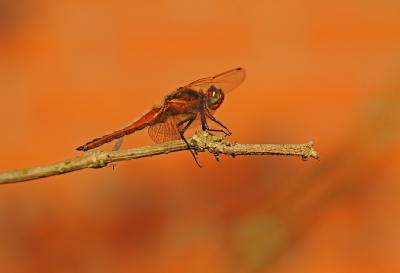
200	142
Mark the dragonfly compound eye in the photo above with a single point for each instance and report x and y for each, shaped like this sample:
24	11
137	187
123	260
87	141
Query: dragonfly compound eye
215	97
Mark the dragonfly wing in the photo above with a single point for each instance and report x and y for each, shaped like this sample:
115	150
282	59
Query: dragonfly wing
167	131
226	81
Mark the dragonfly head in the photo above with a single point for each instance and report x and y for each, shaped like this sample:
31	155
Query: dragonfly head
215	97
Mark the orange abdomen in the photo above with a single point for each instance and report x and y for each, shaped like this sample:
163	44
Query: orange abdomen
144	121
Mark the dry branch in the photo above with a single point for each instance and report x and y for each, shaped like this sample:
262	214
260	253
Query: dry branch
200	142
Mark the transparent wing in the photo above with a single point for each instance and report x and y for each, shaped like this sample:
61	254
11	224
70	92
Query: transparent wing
226	81
167	131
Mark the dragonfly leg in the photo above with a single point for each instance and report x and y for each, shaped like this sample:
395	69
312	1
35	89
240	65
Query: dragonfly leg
189	121
205	127
221	131
118	144
216	121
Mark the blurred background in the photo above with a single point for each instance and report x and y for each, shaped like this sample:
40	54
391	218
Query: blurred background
71	71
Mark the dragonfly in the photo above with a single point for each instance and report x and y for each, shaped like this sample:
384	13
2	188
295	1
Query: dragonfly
181	109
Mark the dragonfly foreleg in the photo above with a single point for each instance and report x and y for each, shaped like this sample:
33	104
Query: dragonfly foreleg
216	121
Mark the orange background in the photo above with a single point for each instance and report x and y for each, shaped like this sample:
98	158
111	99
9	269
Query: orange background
71	71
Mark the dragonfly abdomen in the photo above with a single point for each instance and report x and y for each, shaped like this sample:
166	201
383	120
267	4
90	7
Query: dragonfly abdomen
144	121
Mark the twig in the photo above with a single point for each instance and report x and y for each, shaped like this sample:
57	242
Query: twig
200	142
